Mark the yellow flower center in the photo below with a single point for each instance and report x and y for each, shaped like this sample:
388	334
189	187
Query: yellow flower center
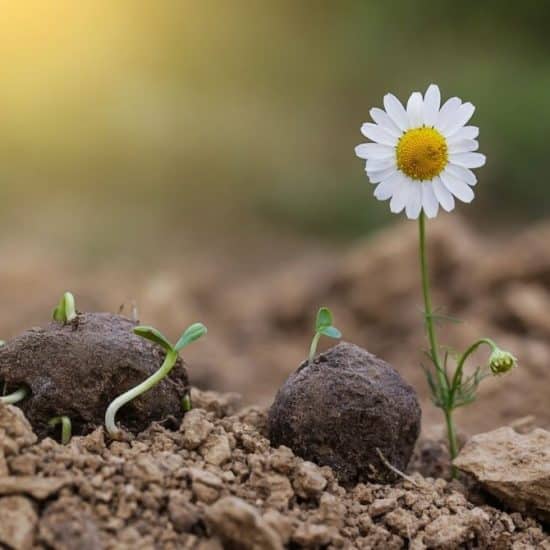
422	153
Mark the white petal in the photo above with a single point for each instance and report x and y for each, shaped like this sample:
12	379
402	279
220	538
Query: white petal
415	110
414	201
381	118
379	175
374	151
449	108
443	195
400	194
374	165
432	101
430	204
463	146
461	173
466	132
396	111
460	189
378	134
458	119
468	160
386	189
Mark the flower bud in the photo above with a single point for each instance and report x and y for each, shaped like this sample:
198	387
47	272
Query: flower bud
501	361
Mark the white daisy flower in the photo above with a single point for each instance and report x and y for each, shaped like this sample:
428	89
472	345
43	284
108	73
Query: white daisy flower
421	156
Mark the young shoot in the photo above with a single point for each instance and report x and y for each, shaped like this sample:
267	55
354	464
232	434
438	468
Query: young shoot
323	327
66	427
14	397
192	333
65	311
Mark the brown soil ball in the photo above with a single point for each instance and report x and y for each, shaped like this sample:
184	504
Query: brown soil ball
338	409
77	369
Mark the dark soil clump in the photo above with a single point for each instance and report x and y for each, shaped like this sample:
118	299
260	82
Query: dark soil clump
340	408
79	368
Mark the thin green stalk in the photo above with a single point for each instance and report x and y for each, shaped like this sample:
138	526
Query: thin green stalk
451	434
430	328
153	380
66	428
15	397
313	347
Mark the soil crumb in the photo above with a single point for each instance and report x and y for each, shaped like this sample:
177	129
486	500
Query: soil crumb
77	369
217	483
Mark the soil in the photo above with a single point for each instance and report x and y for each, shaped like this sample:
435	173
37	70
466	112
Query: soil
79	368
344	408
217	483
176	489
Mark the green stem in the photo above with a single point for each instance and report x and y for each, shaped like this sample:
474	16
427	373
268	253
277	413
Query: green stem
451	434
428	313
15	397
464	357
66	427
153	380
313	347
434	348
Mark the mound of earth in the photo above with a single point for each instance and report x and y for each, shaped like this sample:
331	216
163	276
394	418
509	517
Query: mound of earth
217	483
77	369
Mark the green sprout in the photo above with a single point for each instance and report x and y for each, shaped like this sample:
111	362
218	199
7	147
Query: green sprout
186	403
323	327
65	311
66	427
14	397
192	333
451	390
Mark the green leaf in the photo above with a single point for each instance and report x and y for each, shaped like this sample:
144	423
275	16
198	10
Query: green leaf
331	332
192	333
324	319
154	335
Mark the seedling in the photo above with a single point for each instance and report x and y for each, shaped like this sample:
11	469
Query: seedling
323	327
65	311
66	427
16	396
192	333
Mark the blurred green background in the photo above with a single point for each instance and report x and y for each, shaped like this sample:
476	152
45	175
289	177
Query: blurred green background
135	129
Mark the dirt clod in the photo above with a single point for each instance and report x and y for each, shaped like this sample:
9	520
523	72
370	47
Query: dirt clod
342	407
18	522
240	526
79	368
514	467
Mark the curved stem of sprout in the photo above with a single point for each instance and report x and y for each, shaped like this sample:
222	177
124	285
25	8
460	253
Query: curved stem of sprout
153	380
186	402
432	338
66	427
15	397
313	347
464	357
